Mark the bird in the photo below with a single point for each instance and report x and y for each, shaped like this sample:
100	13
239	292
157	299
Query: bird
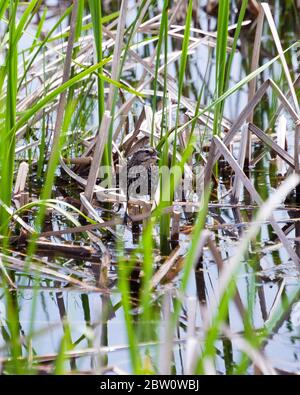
143	157
146	158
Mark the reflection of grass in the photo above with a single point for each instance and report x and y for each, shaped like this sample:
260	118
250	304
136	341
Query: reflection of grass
54	94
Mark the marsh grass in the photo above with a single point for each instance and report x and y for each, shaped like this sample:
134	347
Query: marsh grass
89	88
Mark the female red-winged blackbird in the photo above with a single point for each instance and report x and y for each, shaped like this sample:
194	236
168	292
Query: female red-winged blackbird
143	159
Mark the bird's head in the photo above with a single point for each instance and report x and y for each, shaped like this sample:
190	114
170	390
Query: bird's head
144	157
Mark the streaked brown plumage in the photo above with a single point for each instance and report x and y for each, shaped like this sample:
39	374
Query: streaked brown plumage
145	157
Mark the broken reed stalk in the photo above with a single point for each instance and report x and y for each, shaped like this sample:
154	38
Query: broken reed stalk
20	196
65	78
255	58
236	189
117	53
21	178
101	141
254	66
281	135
